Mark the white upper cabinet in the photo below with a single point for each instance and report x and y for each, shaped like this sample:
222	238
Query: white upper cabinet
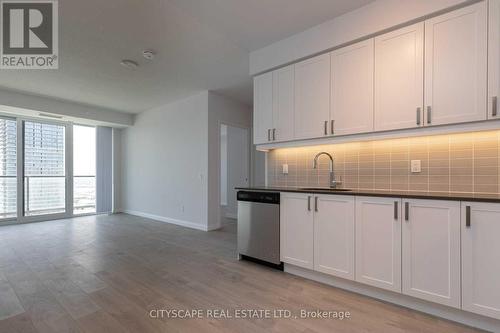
494	60
334	235
456	66
352	89
431	250
312	97
296	229
480	262
378	242
437	72
283	104
263	108
399	78
274	106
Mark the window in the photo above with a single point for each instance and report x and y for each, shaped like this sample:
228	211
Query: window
84	169
8	168
44	169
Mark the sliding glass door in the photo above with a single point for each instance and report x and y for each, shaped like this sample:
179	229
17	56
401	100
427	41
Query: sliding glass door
47	169
46	190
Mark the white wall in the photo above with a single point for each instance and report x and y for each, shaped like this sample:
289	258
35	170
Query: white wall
221	110
171	160
375	17
165	163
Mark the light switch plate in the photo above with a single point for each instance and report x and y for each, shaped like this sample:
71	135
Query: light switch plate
416	166
285	169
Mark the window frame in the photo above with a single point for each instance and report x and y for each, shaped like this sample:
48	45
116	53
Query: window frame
13	219
68	165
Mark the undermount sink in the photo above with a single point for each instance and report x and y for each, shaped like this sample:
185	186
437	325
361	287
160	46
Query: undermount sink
325	189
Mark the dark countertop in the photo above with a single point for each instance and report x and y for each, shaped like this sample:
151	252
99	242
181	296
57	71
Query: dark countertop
381	193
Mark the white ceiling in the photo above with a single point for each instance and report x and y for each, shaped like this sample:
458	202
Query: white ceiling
200	45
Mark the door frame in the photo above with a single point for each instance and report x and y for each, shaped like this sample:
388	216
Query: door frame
250	162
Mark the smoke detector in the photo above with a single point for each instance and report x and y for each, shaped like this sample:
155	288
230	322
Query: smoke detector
148	54
130	64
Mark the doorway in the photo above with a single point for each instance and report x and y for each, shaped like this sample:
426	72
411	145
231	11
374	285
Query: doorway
234	168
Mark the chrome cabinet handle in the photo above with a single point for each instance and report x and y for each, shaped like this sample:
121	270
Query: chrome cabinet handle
429	112
467	216
418	115
326	127
396	215
269	135
494	105
308	203
332	125
315	204
274	134
407	211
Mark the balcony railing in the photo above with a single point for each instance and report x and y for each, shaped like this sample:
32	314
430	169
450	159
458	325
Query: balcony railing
84	194
8	197
46	195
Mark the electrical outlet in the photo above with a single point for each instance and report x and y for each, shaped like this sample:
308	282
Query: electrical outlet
285	169
416	166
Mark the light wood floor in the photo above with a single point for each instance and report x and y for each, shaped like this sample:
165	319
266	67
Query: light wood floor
104	274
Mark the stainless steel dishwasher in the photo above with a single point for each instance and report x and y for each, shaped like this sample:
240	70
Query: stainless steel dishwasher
259	226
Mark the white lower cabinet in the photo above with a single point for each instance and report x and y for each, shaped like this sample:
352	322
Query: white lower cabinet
445	252
431	250
296	229
481	258
334	235
378	242
317	232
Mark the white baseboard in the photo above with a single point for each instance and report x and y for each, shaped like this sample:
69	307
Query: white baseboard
181	223
456	315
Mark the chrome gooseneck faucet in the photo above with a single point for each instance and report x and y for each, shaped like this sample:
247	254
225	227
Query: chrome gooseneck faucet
333	181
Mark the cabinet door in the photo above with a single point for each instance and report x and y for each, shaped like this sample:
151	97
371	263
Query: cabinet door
455	66
399	78
283	104
262	108
378	242
431	250
334	235
312	97
494	60
480	262
352	89
296	228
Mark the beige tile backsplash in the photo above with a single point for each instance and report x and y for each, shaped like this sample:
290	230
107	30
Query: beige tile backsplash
465	162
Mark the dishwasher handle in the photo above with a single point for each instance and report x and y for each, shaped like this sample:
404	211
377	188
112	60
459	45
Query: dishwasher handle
262	197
